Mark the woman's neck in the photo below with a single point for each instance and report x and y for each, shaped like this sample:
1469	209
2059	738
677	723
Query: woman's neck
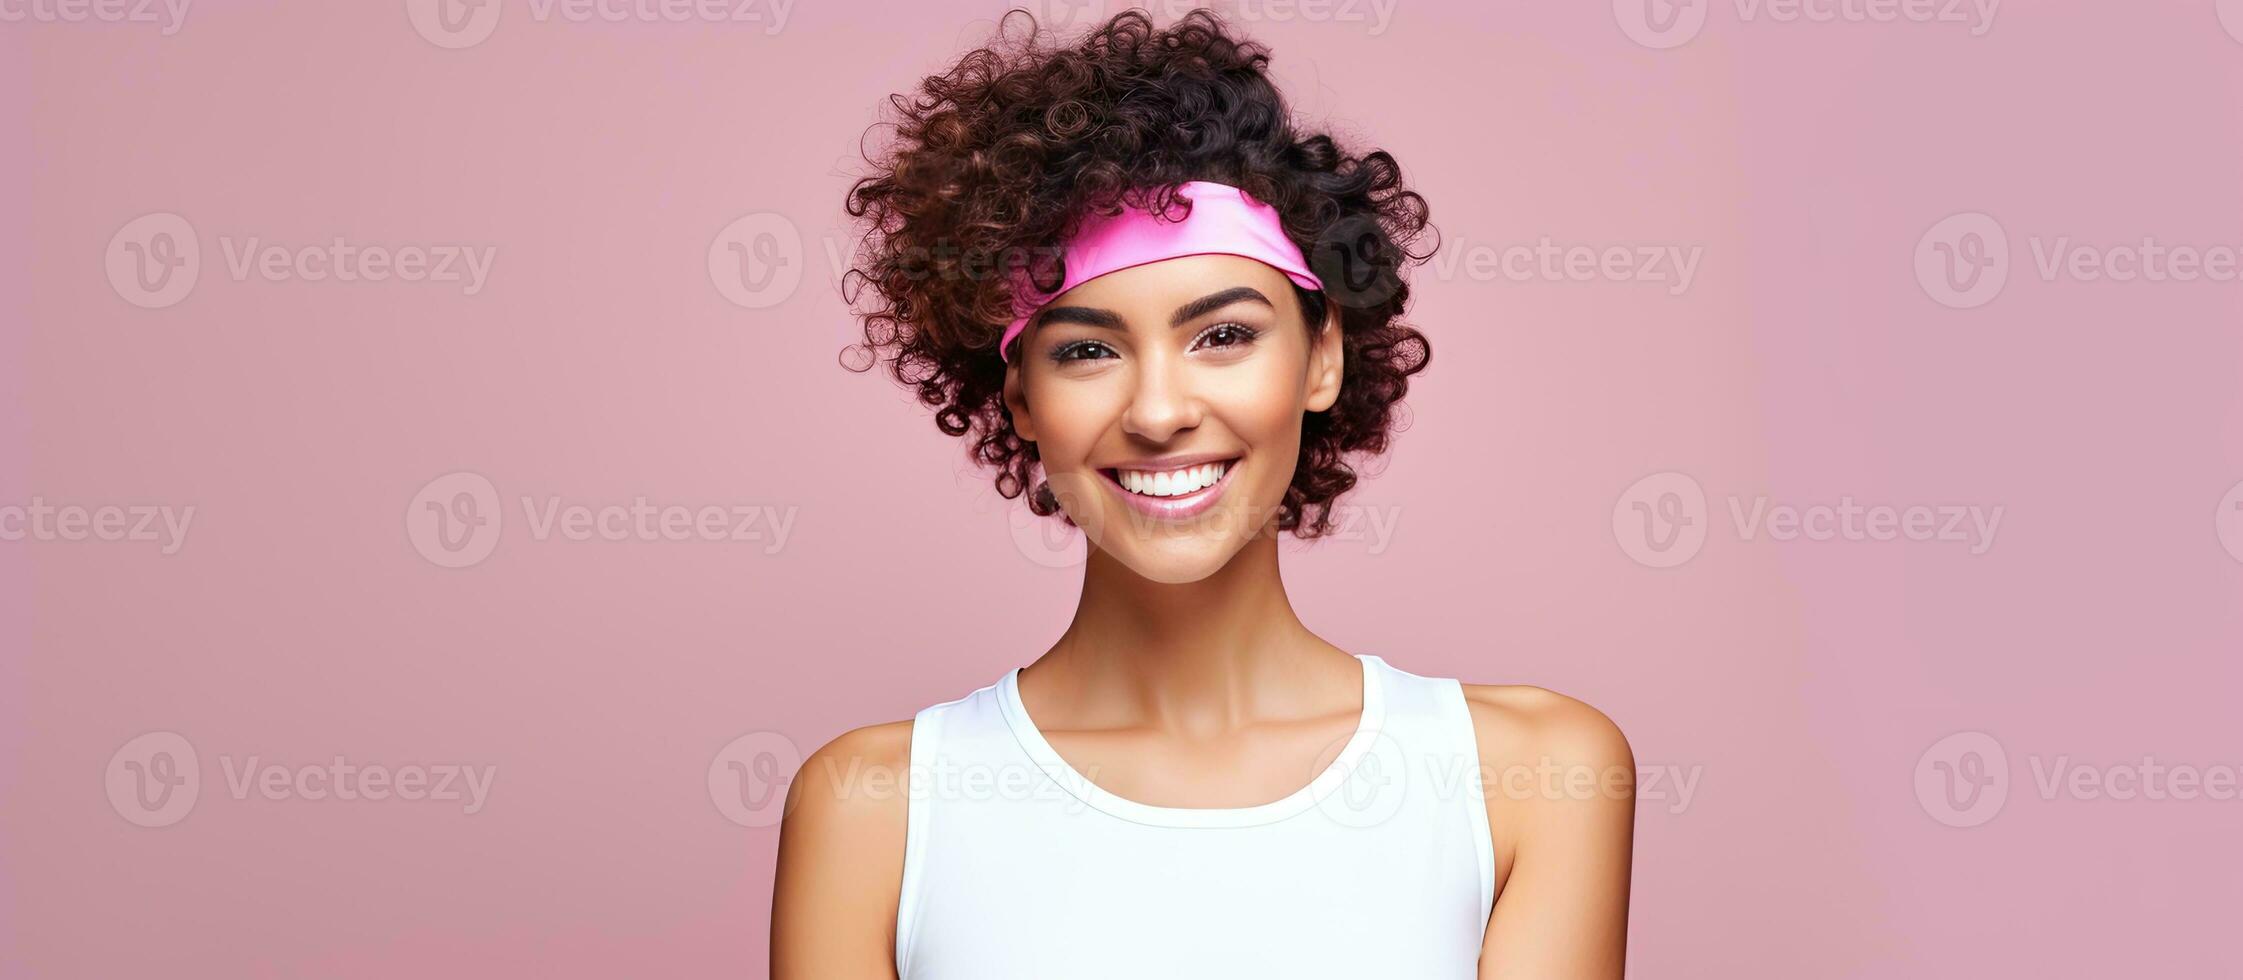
1199	657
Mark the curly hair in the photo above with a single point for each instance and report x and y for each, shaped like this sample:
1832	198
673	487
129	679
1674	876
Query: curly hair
995	161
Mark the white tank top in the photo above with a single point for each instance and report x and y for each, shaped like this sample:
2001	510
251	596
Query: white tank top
1018	867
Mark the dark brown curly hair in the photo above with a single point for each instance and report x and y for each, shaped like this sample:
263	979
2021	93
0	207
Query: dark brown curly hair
994	162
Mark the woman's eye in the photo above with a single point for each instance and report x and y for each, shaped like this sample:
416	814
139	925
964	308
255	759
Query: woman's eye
1227	335
1081	350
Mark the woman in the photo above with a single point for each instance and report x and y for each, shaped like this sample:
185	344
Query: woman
1165	315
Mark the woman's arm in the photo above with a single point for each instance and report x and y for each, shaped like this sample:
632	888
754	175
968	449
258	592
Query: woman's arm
833	904
1560	784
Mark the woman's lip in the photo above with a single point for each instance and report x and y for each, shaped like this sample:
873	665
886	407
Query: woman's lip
1174	462
1178	508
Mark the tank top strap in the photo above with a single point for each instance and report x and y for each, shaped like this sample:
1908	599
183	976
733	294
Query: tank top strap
1429	724
945	737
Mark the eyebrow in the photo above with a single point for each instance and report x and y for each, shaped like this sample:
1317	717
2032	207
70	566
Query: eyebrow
1091	316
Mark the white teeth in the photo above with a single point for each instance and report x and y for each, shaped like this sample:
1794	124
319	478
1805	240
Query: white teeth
1171	483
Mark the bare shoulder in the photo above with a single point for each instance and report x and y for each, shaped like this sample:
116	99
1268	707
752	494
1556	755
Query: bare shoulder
1519	724
887	742
856	780
1553	769
841	843
1559	779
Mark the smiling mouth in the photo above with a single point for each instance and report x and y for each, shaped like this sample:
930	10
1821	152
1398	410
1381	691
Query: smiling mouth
1179	482
1176	494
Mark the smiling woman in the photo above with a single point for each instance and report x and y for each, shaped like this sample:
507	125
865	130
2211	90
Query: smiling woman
1199	335
1019	167
1141	377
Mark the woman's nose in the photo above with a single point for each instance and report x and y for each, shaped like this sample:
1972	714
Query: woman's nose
1162	403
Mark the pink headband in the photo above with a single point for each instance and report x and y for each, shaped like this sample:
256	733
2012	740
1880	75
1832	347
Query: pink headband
1223	221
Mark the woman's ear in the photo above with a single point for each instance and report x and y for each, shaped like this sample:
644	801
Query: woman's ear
1016	402
1326	362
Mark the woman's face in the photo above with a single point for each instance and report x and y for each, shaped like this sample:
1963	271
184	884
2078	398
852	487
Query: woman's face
1165	401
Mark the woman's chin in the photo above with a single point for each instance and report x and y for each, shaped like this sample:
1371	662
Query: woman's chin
1174	546
1172	559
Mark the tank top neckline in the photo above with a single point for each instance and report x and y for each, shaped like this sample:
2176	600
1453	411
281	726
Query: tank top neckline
1040	751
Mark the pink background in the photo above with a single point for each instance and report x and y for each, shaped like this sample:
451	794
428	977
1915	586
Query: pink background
1802	681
